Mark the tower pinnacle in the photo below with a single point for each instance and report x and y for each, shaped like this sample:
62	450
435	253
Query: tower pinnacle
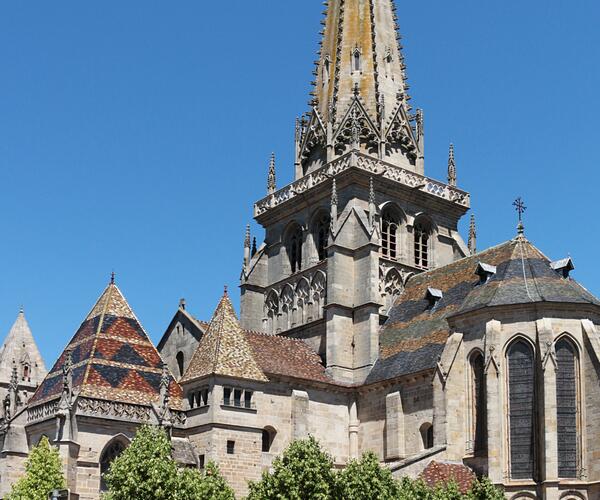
451	166
272	180
472	236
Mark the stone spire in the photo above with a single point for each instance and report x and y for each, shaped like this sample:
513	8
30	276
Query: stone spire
472	236
451	167
21	351
360	47
247	243
272	180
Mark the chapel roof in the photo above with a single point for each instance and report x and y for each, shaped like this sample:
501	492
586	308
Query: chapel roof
112	358
20	347
415	333
442	473
224	350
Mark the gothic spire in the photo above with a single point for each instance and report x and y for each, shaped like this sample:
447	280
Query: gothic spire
247	243
472	236
360	48
272	180
451	167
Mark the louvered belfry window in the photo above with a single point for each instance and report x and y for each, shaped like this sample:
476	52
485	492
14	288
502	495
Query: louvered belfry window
566	408
522	414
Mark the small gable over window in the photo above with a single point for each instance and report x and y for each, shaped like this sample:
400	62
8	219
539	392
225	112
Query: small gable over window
433	296
485	272
563	266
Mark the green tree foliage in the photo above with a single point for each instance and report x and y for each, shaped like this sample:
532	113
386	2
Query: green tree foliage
209	485
147	471
304	471
43	473
483	489
365	479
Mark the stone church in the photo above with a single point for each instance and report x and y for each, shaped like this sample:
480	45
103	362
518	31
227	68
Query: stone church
365	321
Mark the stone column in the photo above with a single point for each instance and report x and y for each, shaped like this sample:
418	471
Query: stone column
496	409
394	427
353	430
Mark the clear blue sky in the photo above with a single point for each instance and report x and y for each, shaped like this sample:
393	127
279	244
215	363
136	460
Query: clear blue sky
135	136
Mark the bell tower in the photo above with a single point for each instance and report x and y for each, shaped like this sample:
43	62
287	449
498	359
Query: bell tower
360	217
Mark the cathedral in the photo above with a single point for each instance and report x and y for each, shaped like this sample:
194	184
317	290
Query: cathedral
365	320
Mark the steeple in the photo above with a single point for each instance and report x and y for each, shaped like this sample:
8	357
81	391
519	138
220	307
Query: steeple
21	352
360	78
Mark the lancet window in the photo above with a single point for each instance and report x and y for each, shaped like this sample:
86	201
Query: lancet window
295	248
322	236
422	232
478	420
112	451
390	231
567	408
521	413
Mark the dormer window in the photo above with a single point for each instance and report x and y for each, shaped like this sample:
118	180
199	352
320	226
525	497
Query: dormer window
433	296
563	267
485	272
356	60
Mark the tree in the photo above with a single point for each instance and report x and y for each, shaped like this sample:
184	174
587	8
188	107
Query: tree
483	489
43	473
145	470
365	479
304	471
209	485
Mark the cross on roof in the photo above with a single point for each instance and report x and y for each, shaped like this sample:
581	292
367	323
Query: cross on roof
519	205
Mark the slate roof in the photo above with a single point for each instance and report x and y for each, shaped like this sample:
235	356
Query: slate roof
286	357
113	358
414	336
224	350
440	473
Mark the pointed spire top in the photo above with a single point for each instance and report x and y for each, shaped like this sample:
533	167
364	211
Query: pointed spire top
272	179
520	207
225	292
334	194
472	236
253	252
112	278
451	166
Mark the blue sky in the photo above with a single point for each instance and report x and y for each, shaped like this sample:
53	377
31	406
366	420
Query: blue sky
135	136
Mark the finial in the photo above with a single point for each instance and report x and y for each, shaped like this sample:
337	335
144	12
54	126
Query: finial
247	238
225	290
451	167
472	236
356	90
272	180
182	303
253	252
112	278
21	309
520	207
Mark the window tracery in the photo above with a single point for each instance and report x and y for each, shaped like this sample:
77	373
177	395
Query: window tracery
110	453
567	408
422	233
295	248
390	229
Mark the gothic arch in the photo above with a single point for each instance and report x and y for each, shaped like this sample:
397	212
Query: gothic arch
524	495
112	450
393	287
294	244
320	223
302	300
268	436
271	312
477	420
318	293
287	307
572	495
426	431
393	220
424	231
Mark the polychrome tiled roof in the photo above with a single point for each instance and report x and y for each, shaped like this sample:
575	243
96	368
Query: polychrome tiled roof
415	333
224	349
442	473
113	358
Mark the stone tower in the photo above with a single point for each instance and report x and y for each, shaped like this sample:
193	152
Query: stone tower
360	217
20	352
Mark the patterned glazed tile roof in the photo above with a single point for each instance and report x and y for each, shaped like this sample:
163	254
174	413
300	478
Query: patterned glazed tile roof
415	333
224	349
113	358
288	357
440	473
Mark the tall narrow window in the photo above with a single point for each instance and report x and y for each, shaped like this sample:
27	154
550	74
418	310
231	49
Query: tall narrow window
356	60
111	452
180	363
390	223
295	249
478	405
26	371
426	431
326	70
566	409
322	236
521	411
422	233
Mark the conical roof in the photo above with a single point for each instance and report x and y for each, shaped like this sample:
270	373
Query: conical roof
20	348
112	358
224	349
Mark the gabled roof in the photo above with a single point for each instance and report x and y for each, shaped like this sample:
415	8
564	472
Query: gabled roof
20	347
182	314
224	349
414	335
442	473
113	358
287	357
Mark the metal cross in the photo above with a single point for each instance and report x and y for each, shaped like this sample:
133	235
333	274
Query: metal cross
519	205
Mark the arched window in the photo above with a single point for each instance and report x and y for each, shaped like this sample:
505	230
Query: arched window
422	232
322	236
180	363
326	70
356	63
567	408
478	404
26	371
271	312
295	248
521	411
426	431
268	435
390	223
112	451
